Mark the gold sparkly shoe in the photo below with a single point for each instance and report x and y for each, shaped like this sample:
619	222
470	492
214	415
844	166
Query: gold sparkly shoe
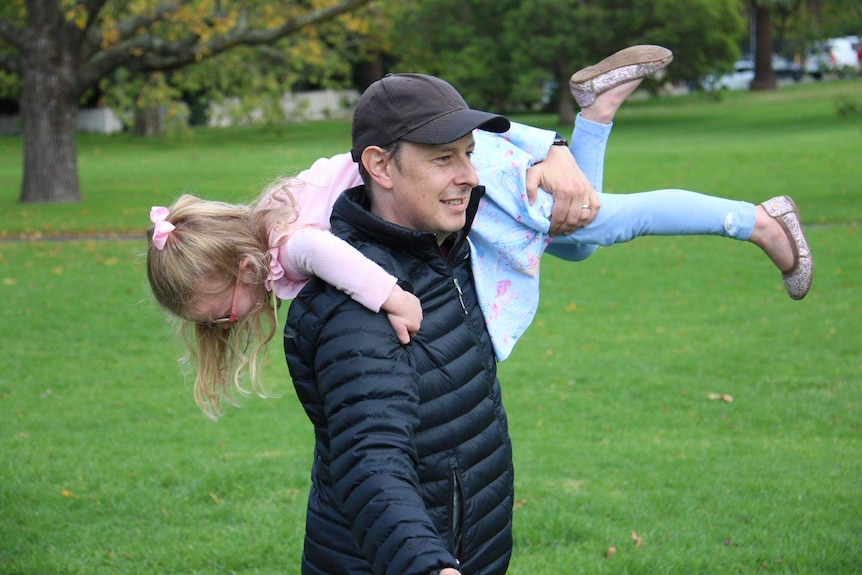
797	279
624	66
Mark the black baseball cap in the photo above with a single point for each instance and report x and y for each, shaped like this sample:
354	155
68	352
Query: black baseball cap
416	108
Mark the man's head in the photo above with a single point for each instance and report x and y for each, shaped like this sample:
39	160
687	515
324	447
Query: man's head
412	135
415	108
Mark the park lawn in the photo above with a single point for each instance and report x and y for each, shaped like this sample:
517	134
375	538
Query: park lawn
619	395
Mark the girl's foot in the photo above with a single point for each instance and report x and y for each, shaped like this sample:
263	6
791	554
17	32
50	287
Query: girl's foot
624	69
605	106
778	232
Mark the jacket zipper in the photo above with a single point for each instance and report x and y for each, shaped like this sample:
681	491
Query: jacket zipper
457	519
460	295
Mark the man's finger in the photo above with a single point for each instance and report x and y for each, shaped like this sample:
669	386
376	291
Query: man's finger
532	186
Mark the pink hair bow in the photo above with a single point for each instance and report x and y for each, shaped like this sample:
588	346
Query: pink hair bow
162	227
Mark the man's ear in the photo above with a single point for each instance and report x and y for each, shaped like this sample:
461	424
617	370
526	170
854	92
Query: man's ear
377	163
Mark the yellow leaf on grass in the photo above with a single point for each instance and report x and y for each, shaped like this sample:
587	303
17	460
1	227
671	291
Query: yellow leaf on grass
721	397
610	552
637	539
66	493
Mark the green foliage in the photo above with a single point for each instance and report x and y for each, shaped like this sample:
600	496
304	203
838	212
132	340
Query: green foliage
848	106
248	83
178	48
459	41
107	467
502	57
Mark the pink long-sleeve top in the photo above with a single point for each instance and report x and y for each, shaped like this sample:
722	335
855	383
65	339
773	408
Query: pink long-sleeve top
310	248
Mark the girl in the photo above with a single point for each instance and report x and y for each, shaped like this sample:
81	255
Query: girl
221	267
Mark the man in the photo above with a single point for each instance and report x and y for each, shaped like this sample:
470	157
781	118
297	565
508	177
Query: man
413	462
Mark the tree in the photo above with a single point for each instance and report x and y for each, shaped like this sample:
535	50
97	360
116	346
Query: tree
458	40
506	53
761	14
562	37
60	49
818	17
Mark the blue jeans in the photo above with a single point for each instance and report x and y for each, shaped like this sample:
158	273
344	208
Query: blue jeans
623	217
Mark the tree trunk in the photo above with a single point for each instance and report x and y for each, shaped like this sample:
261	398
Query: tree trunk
49	109
566	108
367	72
764	75
148	122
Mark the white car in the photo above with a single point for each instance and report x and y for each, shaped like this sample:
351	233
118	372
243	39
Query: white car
743	74
739	79
833	56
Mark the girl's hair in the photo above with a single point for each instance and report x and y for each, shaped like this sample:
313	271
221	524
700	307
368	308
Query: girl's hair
202	257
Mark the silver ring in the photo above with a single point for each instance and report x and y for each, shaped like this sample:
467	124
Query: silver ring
586	207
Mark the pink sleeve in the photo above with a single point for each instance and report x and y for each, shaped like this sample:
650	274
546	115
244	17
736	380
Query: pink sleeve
314	192
316	252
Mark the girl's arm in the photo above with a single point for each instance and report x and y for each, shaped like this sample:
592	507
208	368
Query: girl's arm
312	251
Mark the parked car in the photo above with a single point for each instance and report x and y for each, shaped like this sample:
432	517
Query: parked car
743	74
786	69
739	79
833	56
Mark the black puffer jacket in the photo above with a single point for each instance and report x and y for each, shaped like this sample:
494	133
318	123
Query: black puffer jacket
413	462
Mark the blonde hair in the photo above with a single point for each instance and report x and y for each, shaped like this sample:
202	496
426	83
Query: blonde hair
202	256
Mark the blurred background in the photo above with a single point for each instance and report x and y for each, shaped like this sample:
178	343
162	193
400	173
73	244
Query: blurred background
151	67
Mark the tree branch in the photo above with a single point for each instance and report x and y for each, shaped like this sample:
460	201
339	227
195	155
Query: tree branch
127	28
168	58
148	53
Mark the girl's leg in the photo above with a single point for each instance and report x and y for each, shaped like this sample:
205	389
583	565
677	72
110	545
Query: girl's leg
588	145
622	218
773	226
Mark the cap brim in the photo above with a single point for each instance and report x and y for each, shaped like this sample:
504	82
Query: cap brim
456	125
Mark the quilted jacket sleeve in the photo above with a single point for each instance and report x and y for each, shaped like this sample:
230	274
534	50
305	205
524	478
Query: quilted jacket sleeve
369	394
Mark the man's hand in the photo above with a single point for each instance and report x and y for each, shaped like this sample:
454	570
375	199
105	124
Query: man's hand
405	313
560	175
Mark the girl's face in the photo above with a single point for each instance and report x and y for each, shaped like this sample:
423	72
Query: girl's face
233	304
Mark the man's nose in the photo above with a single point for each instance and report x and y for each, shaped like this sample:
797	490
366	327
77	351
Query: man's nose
467	173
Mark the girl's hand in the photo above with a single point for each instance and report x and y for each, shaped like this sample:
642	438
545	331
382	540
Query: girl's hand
405	313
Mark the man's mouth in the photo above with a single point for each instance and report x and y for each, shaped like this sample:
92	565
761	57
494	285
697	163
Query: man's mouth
453	202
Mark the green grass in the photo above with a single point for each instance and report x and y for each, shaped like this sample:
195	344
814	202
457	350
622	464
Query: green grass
107	467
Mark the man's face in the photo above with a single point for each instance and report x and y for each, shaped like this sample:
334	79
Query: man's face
431	187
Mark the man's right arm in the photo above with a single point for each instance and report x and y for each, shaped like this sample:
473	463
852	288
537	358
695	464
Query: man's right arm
371	402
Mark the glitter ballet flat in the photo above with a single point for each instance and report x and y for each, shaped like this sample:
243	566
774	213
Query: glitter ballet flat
624	66
797	279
